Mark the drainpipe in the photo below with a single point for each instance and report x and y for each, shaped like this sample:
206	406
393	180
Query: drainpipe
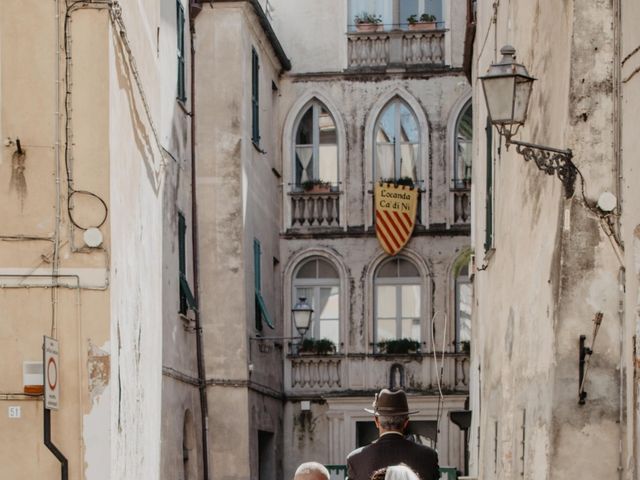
202	377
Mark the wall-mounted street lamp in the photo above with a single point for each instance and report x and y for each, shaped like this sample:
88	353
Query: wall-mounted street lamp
507	88
302	314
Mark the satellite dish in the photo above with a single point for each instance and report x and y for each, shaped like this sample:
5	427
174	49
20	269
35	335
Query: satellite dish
92	237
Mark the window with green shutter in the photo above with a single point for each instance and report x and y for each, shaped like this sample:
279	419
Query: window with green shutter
255	97
488	240
182	95
187	300
262	314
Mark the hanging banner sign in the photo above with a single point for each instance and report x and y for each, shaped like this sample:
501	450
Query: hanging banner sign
396	207
51	374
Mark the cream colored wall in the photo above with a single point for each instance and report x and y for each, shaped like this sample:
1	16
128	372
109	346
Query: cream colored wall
79	317
630	101
314	33
111	341
553	267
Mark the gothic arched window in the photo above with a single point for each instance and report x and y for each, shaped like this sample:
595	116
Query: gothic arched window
316	146
397	143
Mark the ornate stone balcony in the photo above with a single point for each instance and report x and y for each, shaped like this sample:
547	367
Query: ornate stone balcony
319	374
309	209
396	48
461	198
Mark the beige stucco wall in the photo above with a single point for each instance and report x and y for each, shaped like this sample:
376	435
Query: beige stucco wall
236	177
552	267
110	329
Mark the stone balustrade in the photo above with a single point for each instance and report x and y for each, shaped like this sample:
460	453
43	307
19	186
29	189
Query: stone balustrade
395	48
317	374
315	209
461	206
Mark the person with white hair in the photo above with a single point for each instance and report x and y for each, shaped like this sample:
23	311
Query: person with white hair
395	472
312	471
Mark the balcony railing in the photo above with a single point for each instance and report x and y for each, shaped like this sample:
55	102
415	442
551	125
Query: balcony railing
461	205
396	48
310	209
316	373
331	373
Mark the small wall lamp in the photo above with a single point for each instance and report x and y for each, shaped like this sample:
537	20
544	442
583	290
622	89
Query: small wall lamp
507	87
302	314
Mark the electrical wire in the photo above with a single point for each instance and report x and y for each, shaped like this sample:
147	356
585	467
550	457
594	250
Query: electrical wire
71	191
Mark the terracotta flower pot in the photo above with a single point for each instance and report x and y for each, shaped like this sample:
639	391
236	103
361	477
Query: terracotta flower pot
368	27
422	26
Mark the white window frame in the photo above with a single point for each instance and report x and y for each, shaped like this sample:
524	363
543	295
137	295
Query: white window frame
316	105
315	284
398	145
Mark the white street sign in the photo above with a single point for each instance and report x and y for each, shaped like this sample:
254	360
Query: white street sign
51	374
14	412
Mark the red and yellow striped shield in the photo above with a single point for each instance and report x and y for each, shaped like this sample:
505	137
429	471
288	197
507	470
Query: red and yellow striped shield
395	215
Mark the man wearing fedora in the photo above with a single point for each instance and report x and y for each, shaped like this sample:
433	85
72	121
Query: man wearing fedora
391	414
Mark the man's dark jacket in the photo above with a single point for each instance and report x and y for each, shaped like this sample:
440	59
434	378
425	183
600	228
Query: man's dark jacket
392	449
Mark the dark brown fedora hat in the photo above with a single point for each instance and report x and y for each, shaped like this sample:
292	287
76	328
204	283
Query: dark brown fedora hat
390	403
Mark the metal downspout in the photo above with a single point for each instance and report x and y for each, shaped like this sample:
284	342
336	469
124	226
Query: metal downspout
202	377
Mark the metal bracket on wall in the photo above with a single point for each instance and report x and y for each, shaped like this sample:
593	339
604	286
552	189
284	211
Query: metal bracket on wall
552	161
584	351
584	357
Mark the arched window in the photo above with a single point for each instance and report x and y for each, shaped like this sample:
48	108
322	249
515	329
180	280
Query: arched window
397	143
318	281
398	301
316	146
462	152
463	301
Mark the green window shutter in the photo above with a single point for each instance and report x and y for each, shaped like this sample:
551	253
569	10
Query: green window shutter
260	308
488	241
255	97
182	95
187	300
263	312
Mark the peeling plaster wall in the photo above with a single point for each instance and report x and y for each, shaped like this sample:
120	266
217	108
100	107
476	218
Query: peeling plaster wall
138	186
630	145
324	435
553	267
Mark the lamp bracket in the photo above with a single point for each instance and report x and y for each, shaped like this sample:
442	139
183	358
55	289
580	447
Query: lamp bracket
262	339
552	161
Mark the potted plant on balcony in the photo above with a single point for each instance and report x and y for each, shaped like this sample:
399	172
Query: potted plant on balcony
400	346
311	346
315	186
368	22
406	181
426	21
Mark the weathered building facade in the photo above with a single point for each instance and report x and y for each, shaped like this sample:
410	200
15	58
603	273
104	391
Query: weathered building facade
547	266
358	107
96	164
